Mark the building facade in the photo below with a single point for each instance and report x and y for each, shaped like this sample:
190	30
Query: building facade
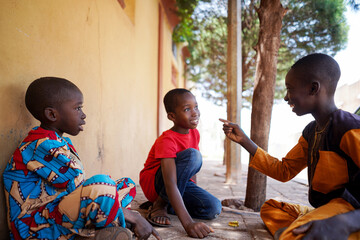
118	52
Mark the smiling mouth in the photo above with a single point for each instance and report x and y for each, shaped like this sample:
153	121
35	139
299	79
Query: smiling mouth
195	122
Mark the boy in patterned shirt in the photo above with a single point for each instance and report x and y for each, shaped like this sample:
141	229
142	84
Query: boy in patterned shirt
46	191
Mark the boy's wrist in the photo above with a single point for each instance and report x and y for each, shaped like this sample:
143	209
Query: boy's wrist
188	224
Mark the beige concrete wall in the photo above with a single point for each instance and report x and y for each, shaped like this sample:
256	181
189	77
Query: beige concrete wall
169	62
110	54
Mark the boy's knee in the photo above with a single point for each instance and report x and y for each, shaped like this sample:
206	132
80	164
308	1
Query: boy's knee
125	182
270	206
127	190
214	209
192	155
217	207
100	183
99	179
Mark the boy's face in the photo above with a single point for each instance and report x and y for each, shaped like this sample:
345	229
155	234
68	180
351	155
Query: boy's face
186	115
298	93
70	117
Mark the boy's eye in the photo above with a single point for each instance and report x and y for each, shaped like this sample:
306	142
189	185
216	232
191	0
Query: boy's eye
187	109
79	108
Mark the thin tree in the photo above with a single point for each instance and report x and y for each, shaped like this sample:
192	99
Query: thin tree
270	13
309	26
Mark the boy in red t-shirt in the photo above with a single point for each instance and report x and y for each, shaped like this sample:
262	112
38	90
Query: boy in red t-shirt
172	161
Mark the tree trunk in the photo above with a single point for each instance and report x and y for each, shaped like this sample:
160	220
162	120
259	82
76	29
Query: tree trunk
270	13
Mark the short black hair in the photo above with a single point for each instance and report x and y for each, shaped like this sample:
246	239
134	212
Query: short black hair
320	67
170	99
47	92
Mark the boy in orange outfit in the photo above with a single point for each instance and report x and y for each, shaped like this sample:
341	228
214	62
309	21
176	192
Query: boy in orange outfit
329	147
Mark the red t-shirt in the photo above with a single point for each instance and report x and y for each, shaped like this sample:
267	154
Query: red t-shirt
166	146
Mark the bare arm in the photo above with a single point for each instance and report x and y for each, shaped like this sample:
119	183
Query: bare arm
236	134
193	229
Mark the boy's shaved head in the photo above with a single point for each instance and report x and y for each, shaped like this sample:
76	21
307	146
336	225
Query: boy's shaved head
47	92
319	67
170	99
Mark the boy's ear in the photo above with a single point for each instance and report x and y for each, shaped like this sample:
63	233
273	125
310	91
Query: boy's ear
50	114
171	116
315	88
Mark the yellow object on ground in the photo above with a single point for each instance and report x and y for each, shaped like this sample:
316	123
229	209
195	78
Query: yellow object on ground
233	223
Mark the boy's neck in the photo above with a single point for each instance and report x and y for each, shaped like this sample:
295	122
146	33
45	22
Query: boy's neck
322	117
50	128
180	130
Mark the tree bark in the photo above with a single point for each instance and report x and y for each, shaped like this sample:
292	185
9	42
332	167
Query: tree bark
270	14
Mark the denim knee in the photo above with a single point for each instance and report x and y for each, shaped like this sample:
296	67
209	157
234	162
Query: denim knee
192	155
214	209
208	209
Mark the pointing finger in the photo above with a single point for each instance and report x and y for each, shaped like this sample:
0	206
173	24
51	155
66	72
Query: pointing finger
226	122
156	234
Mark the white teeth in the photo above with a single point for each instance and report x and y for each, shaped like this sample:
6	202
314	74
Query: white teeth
292	105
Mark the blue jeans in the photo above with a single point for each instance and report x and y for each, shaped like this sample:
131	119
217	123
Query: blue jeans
198	202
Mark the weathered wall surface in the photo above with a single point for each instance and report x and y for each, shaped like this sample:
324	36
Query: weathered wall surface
109	52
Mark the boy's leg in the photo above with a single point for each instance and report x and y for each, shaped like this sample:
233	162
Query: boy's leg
188	163
157	214
126	190
334	207
200	203
96	204
277	215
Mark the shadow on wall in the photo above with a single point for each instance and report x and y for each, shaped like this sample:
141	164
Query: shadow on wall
15	123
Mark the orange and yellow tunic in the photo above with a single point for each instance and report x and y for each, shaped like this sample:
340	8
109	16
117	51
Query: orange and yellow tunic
332	155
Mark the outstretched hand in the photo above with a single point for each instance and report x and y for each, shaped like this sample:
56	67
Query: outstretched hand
236	134
232	131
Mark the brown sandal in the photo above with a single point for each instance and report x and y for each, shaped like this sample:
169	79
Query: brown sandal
154	213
